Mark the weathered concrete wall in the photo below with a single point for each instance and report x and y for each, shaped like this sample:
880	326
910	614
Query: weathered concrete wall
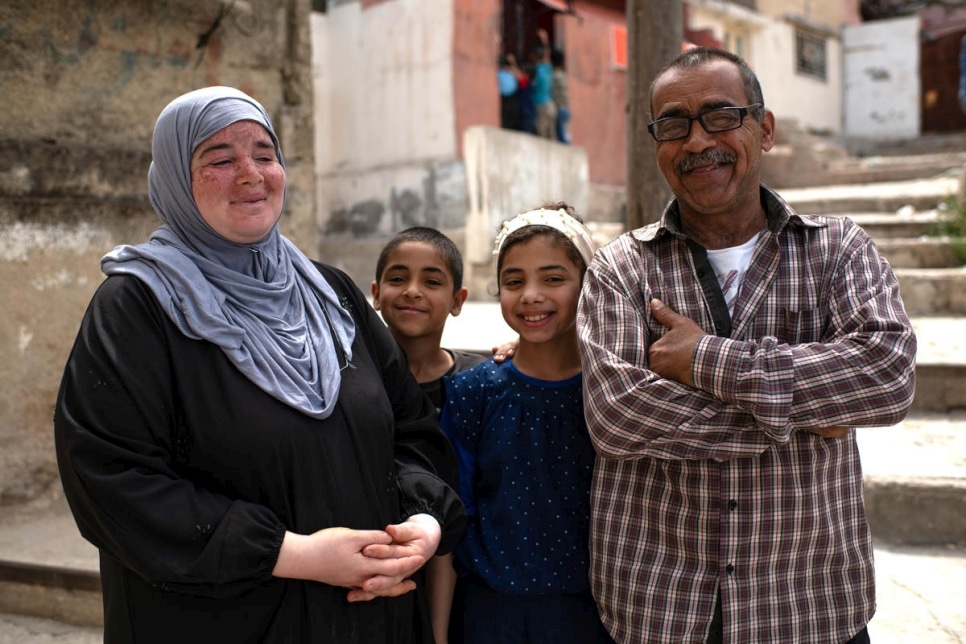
881	80
83	83
509	173
386	138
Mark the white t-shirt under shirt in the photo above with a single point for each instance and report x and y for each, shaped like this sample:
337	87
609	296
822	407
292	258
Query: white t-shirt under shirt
730	266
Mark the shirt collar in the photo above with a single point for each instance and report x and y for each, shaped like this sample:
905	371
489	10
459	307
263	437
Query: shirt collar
777	213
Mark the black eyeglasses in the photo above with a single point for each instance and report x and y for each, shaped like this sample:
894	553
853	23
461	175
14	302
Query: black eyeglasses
720	119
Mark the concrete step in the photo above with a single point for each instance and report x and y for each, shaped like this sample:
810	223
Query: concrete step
787	167
928	143
881	197
24	629
879	168
52	592
905	223
940	364
928	252
899	232
915	479
47	570
920	594
933	291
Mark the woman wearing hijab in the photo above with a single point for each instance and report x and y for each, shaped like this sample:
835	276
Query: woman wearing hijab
236	430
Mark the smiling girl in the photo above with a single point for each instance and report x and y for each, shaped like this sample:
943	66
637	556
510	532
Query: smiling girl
525	454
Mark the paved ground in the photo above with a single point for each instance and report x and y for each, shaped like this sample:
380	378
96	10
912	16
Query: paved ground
921	598
18	629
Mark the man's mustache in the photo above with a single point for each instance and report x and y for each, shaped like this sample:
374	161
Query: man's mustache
707	157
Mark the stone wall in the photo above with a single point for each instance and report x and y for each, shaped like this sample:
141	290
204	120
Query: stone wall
83	84
508	173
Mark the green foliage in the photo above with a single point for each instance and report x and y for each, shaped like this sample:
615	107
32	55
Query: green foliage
952	224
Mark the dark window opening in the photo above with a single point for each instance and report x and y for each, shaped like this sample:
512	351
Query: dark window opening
810	56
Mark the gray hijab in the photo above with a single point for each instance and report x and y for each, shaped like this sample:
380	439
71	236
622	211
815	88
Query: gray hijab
264	304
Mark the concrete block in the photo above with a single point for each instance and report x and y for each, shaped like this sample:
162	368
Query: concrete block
73	606
940	387
916	511
933	291
931	252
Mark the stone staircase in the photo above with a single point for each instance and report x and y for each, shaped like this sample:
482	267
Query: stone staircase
898	215
915	472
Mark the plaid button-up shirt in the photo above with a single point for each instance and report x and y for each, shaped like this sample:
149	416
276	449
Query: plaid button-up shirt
719	487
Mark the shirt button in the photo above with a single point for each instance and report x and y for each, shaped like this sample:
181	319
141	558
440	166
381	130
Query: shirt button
732	505
729	568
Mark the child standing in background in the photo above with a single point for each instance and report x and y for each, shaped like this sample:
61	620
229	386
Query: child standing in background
561	96
542	84
524	452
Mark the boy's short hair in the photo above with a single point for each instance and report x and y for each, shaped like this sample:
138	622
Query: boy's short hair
445	246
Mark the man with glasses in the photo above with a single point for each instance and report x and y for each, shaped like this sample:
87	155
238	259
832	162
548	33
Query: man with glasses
729	351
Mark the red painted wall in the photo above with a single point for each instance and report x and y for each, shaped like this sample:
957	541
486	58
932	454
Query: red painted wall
476	49
598	92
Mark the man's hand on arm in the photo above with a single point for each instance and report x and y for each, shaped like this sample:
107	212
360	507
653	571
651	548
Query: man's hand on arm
670	357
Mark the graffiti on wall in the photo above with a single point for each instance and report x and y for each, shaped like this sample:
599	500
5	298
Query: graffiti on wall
437	201
878	74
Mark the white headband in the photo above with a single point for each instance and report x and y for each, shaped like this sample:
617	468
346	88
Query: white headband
559	220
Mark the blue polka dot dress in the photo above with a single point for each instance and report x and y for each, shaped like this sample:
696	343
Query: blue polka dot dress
526	463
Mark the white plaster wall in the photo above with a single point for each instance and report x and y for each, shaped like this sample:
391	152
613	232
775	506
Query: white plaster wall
769	48
731	24
815	103
882	84
322	91
385	118
384	90
509	172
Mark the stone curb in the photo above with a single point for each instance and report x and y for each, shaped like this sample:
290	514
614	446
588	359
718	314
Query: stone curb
916	510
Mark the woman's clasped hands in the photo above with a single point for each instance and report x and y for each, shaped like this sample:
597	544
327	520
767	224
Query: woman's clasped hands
371	563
